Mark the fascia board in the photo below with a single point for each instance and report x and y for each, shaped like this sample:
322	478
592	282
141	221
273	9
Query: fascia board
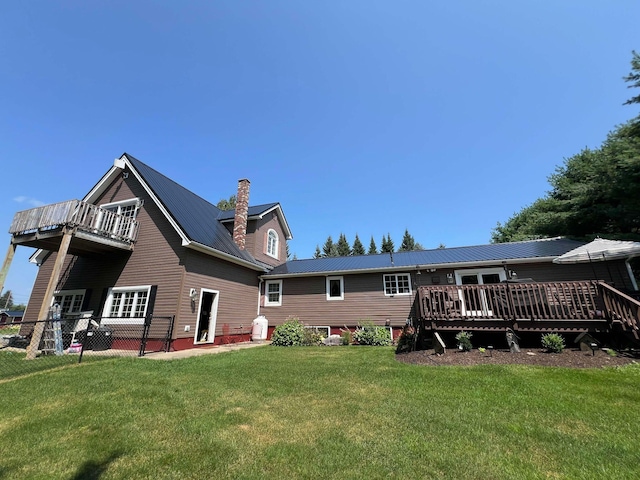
411	267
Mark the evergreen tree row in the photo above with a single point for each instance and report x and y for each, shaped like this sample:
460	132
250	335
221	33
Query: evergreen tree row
342	248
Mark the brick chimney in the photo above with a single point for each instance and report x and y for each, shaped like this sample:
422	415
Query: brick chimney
242	212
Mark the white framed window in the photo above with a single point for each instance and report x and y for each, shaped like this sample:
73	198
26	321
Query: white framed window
397	284
273	293
126	305
115	225
335	288
70	301
272	243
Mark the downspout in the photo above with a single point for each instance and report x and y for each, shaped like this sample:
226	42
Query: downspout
259	294
634	284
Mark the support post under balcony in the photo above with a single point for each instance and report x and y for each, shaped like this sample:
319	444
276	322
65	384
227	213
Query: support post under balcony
6	264
32	349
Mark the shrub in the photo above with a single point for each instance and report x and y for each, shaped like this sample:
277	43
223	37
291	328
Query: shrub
311	337
553	342
289	334
407	340
346	337
464	341
370	334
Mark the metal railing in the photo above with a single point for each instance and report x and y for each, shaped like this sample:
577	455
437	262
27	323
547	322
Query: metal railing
75	213
70	340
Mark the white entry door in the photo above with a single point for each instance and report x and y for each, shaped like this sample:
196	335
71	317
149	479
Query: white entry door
207	314
474	301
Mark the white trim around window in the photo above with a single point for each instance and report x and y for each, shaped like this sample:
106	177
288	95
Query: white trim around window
335	288
126	305
273	243
273	293
396	284
70	301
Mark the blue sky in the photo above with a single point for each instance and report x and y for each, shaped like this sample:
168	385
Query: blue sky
360	117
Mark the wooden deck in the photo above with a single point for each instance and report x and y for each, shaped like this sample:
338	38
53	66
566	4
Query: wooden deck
94	229
586	306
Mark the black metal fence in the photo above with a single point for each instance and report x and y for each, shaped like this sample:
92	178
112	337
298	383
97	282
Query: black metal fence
73	340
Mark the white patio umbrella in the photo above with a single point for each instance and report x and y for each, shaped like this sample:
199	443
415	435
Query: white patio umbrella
600	250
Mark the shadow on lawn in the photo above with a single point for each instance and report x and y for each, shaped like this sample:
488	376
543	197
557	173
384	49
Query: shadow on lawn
93	470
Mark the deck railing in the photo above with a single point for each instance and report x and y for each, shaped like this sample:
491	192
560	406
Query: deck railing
76	214
621	307
512	301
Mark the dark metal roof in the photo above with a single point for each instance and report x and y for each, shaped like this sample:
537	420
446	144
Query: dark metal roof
197	218
438	257
257	210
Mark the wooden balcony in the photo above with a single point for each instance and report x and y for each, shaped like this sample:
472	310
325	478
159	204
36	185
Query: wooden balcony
93	229
538	307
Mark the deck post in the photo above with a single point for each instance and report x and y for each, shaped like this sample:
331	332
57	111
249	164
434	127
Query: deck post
7	263
32	349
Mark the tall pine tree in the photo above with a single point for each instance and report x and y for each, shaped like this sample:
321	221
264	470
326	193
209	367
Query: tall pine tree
358	248
318	253
387	244
373	249
408	242
329	249
344	249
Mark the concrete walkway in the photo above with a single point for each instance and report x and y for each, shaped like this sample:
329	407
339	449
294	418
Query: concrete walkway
196	352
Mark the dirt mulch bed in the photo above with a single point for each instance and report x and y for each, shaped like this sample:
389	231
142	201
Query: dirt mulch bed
537	357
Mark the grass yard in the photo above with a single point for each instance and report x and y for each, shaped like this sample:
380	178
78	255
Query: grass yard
343	412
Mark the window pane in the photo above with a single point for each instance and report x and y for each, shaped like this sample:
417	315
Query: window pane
127	304
334	288
403	284
115	304
141	304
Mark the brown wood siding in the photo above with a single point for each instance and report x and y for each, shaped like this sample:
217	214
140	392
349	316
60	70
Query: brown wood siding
238	294
614	271
305	297
154	261
257	239
364	300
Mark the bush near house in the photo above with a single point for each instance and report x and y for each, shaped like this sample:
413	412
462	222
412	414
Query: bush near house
553	343
289	334
369	334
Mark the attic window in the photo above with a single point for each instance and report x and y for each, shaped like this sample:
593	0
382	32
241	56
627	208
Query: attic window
272	243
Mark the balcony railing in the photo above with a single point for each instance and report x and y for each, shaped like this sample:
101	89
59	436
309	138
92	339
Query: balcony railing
546	301
82	216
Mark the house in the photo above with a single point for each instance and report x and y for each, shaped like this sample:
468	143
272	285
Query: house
341	291
10	316
140	246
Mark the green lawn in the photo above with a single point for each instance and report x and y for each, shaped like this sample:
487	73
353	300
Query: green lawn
341	412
